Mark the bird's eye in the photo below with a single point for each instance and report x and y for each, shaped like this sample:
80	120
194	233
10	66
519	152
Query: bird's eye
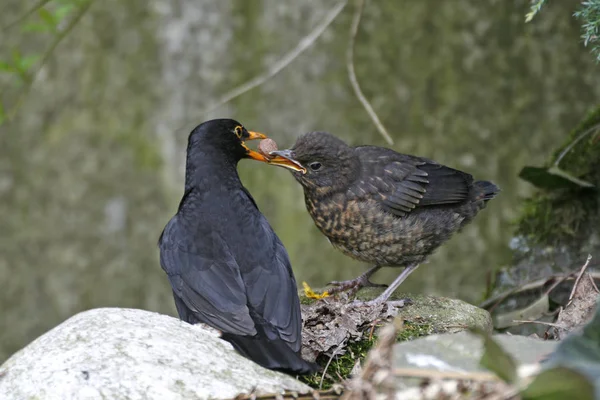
315	166
239	131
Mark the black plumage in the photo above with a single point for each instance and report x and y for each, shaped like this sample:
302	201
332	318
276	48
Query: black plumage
227	267
380	206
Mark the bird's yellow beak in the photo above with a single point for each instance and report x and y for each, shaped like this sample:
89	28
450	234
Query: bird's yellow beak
255	155
255	135
285	158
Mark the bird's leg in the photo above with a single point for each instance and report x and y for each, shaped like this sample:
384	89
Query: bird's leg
383	297
355	284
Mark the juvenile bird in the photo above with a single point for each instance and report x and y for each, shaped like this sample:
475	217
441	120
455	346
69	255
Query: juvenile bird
226	266
380	206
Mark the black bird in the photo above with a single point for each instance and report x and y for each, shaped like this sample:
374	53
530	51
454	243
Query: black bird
380	206
227	267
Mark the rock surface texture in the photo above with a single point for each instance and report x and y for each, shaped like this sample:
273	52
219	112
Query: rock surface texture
114	353
461	352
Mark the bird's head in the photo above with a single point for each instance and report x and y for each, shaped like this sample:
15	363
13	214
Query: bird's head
329	164
225	136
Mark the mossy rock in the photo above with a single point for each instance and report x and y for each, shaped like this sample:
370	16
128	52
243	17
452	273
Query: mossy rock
425	315
568	215
442	314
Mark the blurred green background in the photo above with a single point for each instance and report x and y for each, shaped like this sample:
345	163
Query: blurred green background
91	165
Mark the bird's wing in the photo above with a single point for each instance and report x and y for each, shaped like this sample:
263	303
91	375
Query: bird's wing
404	182
206	277
271	287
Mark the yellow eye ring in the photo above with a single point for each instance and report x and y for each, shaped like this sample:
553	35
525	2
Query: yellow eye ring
239	130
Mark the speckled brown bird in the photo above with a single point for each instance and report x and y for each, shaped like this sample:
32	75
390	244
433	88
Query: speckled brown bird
380	206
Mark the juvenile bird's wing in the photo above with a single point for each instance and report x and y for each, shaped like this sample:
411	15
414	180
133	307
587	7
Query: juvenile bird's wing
402	182
206	277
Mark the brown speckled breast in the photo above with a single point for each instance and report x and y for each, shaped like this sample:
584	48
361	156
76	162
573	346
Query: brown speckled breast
363	230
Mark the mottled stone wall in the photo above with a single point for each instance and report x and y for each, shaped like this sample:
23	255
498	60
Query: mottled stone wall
91	169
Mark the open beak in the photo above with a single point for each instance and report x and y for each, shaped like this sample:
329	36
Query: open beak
256	135
255	155
285	158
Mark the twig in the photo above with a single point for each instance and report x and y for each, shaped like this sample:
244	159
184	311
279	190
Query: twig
286	60
27	14
436	374
538	283
329	362
593	284
574	142
558	282
59	37
553	325
576	284
352	74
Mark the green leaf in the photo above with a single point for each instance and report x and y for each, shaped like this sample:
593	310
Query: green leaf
16	56
535	8
7	67
63	10
36	27
47	17
2	113
495	359
558	384
552	178
28	61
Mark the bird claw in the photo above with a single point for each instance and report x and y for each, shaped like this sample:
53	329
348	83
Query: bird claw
353	285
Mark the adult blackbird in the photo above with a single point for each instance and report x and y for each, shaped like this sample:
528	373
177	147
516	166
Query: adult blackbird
227	267
380	206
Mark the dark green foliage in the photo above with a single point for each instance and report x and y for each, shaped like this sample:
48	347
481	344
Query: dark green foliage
566	209
589	15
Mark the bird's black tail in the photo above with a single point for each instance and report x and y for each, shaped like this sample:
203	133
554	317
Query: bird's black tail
484	191
271	354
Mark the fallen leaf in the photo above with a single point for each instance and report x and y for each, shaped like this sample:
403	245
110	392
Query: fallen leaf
311	294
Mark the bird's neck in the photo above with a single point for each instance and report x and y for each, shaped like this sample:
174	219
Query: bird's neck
208	167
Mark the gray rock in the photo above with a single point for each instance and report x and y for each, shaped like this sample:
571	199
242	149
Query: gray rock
442	314
461	352
114	353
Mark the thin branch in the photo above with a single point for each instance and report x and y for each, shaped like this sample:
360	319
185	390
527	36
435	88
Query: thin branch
576	284
553	325
454	375
574	142
352	73
536	284
47	54
558	282
286	60
329	362
29	12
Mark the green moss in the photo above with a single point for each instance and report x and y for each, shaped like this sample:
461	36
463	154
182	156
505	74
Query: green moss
306	300
413	330
567	215
340	367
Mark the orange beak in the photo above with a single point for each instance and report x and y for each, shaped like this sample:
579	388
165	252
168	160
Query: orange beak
285	159
255	155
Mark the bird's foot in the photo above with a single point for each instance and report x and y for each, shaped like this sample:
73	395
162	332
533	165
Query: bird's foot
353	285
377	302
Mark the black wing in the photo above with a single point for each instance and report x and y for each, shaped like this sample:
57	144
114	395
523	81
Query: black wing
271	287
205	276
405	182
256	288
